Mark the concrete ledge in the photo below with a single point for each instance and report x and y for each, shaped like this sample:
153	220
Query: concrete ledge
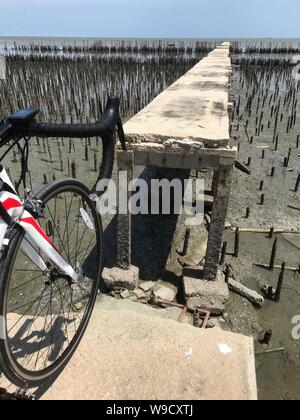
125	355
182	157
176	147
210	295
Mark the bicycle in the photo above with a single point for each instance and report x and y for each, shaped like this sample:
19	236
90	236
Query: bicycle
51	252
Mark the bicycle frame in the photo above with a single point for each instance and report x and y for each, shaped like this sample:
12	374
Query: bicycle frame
35	238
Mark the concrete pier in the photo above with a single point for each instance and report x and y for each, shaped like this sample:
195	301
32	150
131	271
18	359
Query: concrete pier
187	127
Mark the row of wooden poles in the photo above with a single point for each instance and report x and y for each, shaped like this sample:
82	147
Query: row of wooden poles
114	46
161	46
263	61
270	109
264	47
68	89
267	105
75	89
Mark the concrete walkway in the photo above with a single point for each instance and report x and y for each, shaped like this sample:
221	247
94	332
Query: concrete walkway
131	351
195	107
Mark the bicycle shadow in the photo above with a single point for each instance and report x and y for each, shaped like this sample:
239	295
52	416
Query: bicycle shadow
27	342
50	343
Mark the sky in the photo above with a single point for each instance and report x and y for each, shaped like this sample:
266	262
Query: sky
151	18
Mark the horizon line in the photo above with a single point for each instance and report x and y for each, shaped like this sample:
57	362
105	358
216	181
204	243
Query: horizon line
145	37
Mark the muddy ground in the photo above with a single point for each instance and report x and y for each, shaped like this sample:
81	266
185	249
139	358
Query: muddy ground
278	373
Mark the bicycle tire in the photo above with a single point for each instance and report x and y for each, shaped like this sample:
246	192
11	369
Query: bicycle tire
9	364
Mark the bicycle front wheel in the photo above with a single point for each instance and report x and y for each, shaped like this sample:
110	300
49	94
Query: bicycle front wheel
42	321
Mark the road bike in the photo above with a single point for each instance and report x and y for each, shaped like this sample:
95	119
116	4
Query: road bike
51	247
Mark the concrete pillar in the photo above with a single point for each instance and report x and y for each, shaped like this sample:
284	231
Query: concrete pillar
219	213
125	172
214	185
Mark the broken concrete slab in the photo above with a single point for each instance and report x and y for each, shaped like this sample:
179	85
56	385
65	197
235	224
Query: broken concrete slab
147	285
201	294
116	278
144	358
125	294
140	294
165	291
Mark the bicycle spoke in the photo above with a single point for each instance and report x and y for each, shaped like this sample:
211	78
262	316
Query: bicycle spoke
24	314
67	215
40	344
67	226
28	305
60	240
84	250
26	283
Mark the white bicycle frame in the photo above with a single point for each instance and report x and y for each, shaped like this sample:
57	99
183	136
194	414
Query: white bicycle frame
35	238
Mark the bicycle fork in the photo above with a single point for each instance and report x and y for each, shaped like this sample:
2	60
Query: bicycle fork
12	211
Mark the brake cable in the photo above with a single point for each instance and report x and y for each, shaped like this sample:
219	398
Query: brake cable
10	148
24	152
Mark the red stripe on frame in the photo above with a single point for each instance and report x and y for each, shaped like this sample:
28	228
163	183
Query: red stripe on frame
32	222
11	203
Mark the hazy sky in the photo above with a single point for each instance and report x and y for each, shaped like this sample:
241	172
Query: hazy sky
151	18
